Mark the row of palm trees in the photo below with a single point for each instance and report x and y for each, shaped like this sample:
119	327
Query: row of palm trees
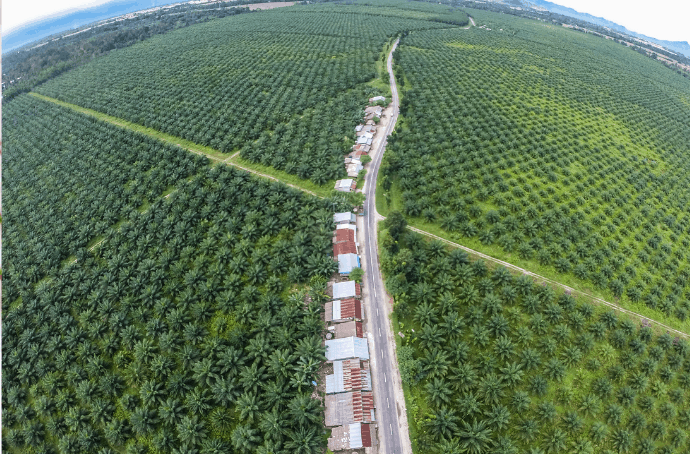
496	363
504	159
193	339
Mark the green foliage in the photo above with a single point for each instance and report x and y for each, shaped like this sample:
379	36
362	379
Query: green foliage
286	88
186	327
541	150
356	275
499	374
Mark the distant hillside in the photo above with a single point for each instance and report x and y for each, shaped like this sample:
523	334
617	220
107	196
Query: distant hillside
50	26
677	46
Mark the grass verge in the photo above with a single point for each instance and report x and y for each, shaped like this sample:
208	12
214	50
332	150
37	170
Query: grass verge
388	201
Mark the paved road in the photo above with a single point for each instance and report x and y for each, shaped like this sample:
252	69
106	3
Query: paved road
391	437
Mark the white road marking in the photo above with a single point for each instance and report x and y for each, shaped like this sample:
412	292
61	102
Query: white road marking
377	311
388	403
384	378
379	331
389	425
381	353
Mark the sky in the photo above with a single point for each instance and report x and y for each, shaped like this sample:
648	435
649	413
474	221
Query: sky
661	19
16	13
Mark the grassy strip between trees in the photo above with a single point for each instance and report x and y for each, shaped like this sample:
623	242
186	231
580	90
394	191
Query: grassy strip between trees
385	207
215	155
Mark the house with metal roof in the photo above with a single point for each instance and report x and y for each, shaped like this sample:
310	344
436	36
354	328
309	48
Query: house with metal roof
349	408
346	185
347	329
351	436
344	236
348	347
342	290
349	375
377	98
353	167
352	227
343	310
344	218
347	262
347	247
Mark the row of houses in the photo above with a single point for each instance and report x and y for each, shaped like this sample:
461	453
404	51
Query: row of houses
349	399
365	137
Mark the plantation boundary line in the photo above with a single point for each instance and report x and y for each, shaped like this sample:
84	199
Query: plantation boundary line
550	281
165	138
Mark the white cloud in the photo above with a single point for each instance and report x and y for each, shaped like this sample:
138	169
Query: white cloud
661	19
16	13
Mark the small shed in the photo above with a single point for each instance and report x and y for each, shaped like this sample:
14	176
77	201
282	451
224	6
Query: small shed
377	98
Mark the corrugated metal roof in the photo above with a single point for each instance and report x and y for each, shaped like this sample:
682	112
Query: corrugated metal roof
365	433
352	227
346	216
340	438
348	329
344	290
349	347
336	383
346	247
356	435
344	235
366	379
347	262
336	314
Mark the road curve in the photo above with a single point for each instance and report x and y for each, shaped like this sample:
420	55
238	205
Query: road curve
390	411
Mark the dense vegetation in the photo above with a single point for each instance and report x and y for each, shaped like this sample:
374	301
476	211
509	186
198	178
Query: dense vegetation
186	329
561	151
67	179
228	82
493	363
29	67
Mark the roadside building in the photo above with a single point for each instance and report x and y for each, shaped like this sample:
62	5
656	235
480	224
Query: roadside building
353	167
349	375
347	329
347	185
343	310
347	262
346	348
366	129
352	227
377	98
344	235
365	139
373	111
348	247
349	408
361	148
351	436
342	290
344	218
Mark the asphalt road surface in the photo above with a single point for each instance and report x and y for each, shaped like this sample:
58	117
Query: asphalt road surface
386	411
